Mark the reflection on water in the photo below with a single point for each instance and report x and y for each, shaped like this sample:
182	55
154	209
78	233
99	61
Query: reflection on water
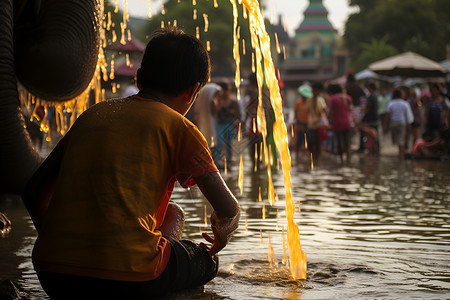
376	228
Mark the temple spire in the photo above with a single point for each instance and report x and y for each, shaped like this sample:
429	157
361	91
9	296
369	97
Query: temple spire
316	18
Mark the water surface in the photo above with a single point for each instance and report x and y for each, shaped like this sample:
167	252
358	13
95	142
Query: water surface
375	228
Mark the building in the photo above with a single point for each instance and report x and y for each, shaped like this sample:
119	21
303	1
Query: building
315	52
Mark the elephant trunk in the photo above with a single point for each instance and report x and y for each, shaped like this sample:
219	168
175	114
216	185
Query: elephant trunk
56	50
18	159
52	49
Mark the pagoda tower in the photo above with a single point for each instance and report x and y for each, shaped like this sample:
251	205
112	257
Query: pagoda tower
315	37
316	51
316	20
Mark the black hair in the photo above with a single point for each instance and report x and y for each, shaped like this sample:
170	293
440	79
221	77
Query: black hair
406	90
317	86
225	85
351	77
397	93
173	61
427	134
372	86
334	89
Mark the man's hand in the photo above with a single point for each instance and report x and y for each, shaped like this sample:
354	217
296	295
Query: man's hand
225	218
222	229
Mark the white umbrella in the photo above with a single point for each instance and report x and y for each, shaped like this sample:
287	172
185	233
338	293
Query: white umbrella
366	74
408	64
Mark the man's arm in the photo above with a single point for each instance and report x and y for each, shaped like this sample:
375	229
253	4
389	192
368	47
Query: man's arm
225	218
39	189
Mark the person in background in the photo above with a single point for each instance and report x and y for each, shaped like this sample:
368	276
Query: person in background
431	145
254	136
316	107
435	110
414	102
354	90
100	201
370	117
398	116
383	99
301	118
340	106
228	118
206	108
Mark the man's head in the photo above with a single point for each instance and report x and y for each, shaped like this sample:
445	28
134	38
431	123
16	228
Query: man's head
372	87
397	94
173	62
350	76
226	88
317	88
405	92
435	89
334	89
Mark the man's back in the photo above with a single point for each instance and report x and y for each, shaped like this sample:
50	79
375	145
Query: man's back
398	110
371	115
121	161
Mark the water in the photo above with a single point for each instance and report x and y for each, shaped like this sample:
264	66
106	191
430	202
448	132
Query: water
376	228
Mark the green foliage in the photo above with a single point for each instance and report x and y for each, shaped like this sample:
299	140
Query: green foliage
420	26
373	51
219	34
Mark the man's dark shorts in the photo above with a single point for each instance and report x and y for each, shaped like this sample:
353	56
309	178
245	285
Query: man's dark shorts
189	266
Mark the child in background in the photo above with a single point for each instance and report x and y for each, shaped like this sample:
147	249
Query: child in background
340	106
301	118
316	109
228	117
100	201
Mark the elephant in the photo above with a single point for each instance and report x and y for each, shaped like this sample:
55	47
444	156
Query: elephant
51	47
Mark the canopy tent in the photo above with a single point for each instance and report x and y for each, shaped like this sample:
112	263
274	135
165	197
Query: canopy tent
408	64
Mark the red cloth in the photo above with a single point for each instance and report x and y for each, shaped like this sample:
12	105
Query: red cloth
340	107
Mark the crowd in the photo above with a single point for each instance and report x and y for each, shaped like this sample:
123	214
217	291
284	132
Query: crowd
339	119
417	119
221	118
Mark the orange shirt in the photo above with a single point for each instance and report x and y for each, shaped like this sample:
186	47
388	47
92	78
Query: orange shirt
301	111
121	161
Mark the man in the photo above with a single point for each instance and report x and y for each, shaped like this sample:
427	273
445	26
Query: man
399	116
100	201
370	117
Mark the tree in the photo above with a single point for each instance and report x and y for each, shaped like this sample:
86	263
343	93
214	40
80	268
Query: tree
373	51
421	26
219	33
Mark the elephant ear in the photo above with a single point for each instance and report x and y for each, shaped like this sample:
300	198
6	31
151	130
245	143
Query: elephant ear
56	47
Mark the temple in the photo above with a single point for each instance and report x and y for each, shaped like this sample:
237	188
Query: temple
315	52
